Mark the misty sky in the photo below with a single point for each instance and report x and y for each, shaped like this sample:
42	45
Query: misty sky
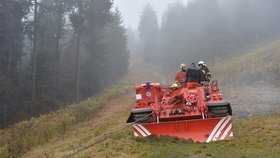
131	9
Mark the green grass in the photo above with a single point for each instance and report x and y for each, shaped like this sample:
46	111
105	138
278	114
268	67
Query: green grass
23	136
256	65
256	136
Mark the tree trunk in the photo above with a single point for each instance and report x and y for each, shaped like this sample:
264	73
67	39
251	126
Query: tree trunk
34	58
78	43
58	49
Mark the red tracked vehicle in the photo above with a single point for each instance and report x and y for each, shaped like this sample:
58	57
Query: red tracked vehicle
189	112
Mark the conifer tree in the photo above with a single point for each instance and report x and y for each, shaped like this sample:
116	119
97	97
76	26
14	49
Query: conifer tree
149	34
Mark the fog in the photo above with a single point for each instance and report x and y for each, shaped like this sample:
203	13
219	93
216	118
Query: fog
132	9
173	32
56	52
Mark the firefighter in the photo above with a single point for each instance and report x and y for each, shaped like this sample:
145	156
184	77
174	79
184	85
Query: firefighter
193	74
205	78
206	74
181	76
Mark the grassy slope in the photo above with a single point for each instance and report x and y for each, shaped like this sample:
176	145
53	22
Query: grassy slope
256	136
251	79
258	64
23	136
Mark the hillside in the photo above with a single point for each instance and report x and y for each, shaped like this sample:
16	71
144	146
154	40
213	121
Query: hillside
254	137
64	132
251	79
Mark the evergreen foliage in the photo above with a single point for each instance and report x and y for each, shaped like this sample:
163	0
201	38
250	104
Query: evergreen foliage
99	62
149	34
205	30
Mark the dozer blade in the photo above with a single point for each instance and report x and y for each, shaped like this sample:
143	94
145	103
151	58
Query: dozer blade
139	115
219	109
200	130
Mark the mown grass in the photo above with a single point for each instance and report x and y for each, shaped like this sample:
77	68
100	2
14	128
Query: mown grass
254	137
250	79
21	137
255	66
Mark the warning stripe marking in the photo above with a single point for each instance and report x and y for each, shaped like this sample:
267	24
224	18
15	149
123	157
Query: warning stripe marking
221	129
136	134
231	134
226	132
139	130
215	129
144	129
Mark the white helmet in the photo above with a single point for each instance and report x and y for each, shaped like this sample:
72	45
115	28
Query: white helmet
201	63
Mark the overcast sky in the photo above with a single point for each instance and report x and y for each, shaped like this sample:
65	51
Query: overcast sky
131	9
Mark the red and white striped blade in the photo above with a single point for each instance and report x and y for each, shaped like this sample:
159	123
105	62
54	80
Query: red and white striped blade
201	130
